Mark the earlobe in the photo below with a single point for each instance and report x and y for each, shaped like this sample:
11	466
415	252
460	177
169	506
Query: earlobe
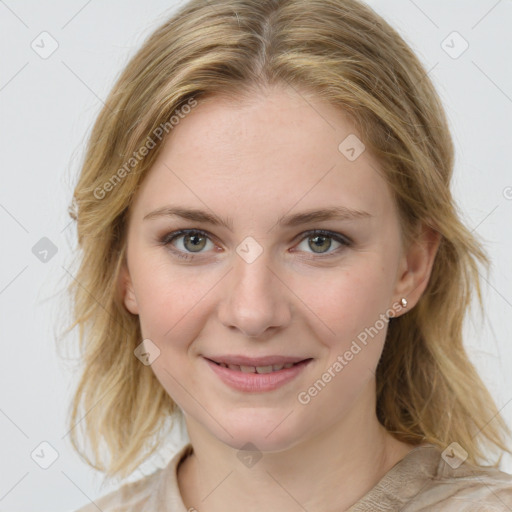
417	266
127	291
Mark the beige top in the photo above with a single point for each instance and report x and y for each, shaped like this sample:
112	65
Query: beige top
420	482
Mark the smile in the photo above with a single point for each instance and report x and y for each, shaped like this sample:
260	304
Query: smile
257	378
256	369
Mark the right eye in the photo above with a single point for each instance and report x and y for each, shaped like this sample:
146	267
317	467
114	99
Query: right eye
192	241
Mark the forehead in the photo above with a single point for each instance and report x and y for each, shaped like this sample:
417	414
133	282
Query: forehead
271	150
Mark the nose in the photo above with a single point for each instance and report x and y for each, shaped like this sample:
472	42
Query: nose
256	299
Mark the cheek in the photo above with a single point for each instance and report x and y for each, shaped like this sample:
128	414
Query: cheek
168	304
346	301
172	300
350	305
171	307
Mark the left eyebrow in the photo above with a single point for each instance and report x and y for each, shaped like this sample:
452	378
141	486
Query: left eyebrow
297	219
333	213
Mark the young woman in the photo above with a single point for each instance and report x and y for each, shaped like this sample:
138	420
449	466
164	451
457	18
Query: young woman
271	250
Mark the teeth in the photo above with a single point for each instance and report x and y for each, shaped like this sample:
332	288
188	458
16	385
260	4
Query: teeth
264	369
257	369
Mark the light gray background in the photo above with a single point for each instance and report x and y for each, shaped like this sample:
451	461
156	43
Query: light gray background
47	107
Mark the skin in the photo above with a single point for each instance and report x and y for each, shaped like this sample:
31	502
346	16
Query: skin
256	160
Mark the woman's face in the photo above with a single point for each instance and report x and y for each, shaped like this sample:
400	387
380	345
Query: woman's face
251	279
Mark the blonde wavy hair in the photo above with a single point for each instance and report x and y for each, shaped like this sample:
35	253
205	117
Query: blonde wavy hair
343	52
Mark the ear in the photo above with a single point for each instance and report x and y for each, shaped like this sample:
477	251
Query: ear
127	291
416	266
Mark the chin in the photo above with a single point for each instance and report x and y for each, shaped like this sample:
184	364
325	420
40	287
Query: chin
267	433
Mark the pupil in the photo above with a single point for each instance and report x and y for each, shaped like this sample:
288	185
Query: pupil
196	243
316	245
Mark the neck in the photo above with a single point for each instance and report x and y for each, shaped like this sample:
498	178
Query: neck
330	471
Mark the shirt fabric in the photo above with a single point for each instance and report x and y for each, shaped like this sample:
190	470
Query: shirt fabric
420	482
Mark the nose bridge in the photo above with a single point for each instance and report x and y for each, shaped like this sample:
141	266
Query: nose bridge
255	299
254	275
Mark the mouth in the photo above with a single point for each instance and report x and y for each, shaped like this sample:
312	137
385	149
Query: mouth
260	376
270	368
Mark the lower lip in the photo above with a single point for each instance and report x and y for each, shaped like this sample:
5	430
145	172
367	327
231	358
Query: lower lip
255	382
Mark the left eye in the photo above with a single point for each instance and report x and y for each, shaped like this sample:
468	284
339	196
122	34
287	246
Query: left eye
194	241
323	240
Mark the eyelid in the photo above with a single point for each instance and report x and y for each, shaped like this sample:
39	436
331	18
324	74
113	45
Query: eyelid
169	237
341	238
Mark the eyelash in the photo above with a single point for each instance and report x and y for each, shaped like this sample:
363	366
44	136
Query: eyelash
167	240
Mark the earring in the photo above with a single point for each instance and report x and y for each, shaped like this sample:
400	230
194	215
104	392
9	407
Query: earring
404	302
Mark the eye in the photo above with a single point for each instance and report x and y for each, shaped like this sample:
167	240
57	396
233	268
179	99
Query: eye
192	241
320	241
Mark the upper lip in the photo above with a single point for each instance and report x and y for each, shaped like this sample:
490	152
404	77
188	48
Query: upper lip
240	360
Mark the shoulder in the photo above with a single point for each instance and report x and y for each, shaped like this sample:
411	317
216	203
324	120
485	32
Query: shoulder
423	481
466	488
131	496
157	491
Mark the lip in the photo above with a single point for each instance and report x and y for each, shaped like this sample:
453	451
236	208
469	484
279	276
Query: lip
257	382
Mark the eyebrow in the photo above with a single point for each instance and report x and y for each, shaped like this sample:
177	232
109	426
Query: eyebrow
195	215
